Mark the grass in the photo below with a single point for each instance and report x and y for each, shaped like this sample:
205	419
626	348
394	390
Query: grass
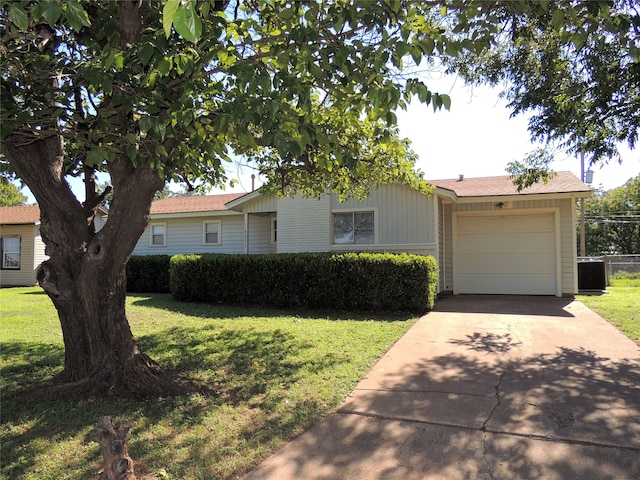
620	306
276	373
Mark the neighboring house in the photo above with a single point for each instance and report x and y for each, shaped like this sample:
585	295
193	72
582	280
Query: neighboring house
21	247
487	237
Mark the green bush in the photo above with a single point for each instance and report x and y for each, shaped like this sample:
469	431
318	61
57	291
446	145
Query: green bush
353	281
148	274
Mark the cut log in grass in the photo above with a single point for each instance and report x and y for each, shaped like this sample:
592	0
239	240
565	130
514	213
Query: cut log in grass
118	465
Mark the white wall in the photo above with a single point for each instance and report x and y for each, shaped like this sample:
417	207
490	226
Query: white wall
260	234
184	235
405	219
304	225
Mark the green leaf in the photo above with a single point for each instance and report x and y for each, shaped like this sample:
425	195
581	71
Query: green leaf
187	23
131	151
145	52
95	156
446	101
49	10
168	15
77	15
18	16
119	61
427	45
146	124
557	19
160	151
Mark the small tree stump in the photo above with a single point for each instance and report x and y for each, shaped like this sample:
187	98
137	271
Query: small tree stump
113	443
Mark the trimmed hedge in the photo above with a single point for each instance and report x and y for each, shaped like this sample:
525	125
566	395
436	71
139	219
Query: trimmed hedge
148	274
353	281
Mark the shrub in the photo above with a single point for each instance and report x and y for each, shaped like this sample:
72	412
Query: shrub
148	274
360	281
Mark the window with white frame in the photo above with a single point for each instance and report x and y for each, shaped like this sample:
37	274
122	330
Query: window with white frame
353	228
158	234
10	253
274	230
211	232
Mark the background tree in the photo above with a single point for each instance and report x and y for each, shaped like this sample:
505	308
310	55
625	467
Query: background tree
10	194
153	91
613	220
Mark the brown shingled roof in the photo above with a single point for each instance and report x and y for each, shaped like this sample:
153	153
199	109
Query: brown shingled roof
19	215
563	182
194	203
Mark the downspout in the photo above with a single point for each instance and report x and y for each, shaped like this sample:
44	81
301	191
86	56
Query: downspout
246	232
444	250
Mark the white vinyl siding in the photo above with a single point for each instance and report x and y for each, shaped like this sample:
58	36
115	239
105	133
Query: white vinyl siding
445	259
260	234
184	235
404	220
211	233
304	225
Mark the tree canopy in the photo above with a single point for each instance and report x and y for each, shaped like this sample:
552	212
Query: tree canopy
574	66
306	89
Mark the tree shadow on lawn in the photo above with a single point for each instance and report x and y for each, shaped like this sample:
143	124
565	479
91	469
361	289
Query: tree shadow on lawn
166	301
236	364
242	370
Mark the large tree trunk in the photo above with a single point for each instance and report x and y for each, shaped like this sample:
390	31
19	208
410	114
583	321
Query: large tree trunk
85	274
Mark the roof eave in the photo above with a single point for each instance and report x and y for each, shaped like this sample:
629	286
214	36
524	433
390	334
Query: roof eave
522	196
237	203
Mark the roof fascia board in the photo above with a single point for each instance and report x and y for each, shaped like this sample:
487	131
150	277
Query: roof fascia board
445	193
522	197
36	222
238	202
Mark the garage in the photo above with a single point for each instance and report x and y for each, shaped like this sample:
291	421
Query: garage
506	254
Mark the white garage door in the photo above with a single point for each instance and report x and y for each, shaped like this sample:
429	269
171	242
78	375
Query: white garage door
506	254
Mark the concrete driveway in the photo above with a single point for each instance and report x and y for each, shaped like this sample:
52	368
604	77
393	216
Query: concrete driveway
485	387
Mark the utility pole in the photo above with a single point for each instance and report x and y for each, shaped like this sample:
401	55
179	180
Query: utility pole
582	233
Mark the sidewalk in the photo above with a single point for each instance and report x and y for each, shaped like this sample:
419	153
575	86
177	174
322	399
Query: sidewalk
485	387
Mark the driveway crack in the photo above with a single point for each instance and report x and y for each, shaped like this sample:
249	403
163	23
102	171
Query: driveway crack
483	428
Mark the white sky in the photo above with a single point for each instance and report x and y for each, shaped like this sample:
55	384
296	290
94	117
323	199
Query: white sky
477	138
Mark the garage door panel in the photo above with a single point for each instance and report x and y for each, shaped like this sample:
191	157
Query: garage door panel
528	243
484	264
515	284
513	254
528	223
472	225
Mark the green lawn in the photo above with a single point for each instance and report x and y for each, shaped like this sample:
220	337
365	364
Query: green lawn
275	373
620	306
